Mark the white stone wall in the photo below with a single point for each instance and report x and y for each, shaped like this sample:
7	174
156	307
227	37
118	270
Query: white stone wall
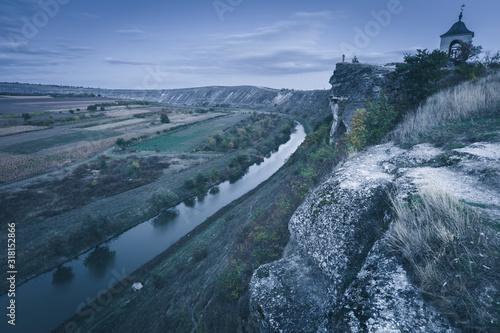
446	41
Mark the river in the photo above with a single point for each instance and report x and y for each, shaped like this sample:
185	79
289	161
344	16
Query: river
44	302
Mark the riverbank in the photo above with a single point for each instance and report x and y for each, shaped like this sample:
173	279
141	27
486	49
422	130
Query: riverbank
200	282
52	241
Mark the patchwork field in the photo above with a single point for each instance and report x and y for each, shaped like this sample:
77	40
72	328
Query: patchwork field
189	138
33	146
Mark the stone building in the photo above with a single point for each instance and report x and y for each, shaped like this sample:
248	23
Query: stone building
458	34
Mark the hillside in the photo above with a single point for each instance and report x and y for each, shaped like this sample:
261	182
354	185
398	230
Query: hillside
402	237
310	105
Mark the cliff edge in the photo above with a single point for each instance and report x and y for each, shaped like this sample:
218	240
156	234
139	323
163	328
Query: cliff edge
344	273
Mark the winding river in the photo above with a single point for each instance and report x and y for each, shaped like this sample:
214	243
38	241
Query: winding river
46	301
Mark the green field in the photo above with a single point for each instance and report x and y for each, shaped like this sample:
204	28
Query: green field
30	147
188	139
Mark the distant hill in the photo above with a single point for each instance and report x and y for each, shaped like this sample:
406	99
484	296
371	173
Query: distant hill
312	105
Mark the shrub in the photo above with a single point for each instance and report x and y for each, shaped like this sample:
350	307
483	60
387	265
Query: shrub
121	142
95	226
201	178
200	253
421	75
213	174
356	139
190	183
162	199
381	118
26	116
164	119
92	108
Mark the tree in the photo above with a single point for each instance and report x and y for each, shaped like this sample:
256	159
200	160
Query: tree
102	108
120	142
468	52
421	75
380	119
91	108
26	116
164	119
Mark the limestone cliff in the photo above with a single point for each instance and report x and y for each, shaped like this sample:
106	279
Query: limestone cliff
352	86
340	275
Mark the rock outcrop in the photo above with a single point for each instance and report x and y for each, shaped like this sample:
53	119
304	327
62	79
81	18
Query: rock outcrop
341	275
352	86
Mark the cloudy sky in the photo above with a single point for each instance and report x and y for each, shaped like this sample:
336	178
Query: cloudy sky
152	44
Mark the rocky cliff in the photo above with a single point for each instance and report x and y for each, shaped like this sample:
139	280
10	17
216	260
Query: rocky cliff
342	271
352	86
341	275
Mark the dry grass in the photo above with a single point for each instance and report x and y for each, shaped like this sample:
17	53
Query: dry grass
19	129
453	256
13	166
465	101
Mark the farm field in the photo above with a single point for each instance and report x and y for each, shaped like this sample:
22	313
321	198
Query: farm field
189	138
22	104
75	174
30	147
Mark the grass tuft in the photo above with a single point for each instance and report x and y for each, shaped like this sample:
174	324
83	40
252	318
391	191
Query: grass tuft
454	258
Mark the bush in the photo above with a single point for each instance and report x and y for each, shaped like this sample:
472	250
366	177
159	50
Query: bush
380	119
164	119
421	76
356	139
201	178
190	183
95	226
162	199
26	116
121	142
200	253
92	108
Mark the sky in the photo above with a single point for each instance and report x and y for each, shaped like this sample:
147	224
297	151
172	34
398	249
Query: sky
151	44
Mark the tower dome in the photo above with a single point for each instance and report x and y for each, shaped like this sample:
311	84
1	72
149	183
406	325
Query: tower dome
457	35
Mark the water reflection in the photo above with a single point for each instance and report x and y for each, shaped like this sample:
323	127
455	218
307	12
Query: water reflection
100	260
165	217
190	202
201	196
234	178
214	190
62	276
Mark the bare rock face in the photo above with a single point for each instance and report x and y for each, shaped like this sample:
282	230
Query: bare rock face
352	86
341	276
333	231
382	299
